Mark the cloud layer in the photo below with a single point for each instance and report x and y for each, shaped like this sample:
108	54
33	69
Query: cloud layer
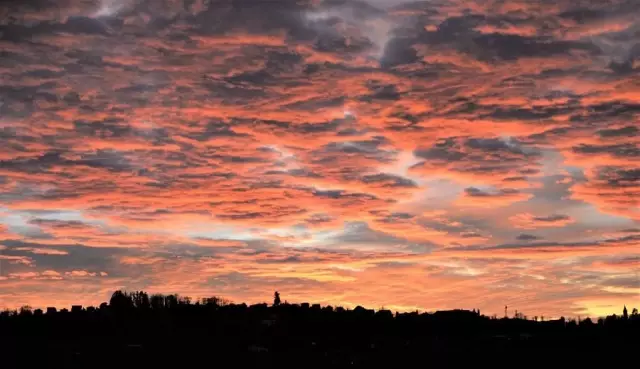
416	155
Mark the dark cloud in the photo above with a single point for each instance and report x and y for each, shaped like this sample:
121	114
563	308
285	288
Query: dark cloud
528	114
476	192
479	155
552	218
78	256
628	131
319	219
111	127
527	237
389	180
471	235
66	224
392	217
214	130
38	164
279	15
340	194
619	177
361	233
625	282
369	149
509	47
399	51
381	92
494	144
84	25
586	13
442	150
631	230
617	109
320	127
302	173
30	4
73	25
621	150
317	103
562	245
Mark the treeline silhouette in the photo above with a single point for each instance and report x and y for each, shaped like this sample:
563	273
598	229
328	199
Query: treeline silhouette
135	330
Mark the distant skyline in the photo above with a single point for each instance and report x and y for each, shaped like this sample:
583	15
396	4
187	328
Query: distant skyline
413	155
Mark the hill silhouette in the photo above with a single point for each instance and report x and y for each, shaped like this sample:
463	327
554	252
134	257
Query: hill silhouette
135	330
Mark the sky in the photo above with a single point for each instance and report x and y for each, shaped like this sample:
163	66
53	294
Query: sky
409	155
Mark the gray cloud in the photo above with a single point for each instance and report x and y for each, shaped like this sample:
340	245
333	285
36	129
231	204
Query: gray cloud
527	237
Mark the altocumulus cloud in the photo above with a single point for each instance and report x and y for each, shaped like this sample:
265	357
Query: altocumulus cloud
234	147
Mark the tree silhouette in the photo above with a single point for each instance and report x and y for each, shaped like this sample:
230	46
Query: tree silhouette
136	328
157	301
215	301
625	315
184	300
170	301
276	299
26	310
120	301
140	300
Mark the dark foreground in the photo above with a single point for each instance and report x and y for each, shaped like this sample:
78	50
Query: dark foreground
210	335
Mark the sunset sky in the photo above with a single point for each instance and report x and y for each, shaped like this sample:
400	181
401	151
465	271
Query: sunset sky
413	155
